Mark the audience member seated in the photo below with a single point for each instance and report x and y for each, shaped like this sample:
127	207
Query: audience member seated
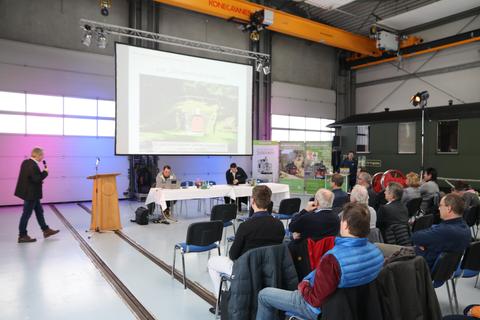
365	179
317	220
340	196
360	195
352	262
429	189
468	195
452	234
412	190
259	230
394	212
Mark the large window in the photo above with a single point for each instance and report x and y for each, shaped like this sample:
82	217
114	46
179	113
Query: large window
406	137
363	139
294	128
25	113
447	136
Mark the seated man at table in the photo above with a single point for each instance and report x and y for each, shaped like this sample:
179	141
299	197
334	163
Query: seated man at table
317	219
352	262
258	231
166	176
235	175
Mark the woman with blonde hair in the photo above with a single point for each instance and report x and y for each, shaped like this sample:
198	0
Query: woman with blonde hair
412	191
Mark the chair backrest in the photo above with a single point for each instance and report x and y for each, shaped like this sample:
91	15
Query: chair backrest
445	265
471	258
289	206
186	184
432	204
413	206
204	233
471	215
398	234
224	212
423	222
375	235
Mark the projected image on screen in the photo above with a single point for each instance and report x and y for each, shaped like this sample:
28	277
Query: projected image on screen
170	103
194	111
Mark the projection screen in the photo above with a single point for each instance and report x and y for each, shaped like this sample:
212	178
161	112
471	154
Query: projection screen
177	104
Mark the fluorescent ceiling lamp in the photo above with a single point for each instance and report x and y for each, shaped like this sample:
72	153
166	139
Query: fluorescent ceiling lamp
328	4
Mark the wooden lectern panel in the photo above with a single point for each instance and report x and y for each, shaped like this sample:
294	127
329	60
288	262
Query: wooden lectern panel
105	210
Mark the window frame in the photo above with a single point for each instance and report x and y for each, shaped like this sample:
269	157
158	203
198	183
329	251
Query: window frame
398	138
302	130
458	137
356	139
25	113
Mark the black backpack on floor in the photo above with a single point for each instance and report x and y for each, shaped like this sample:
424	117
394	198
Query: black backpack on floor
141	216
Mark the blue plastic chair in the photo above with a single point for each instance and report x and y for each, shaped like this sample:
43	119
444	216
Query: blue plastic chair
443	271
287	208
227	213
470	266
201	237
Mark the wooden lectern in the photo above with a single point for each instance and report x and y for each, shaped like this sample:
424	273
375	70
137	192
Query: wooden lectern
105	211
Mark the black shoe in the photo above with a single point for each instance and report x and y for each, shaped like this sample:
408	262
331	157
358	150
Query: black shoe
212	311
164	222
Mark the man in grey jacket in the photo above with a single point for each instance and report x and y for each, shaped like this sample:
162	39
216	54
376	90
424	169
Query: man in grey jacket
166	176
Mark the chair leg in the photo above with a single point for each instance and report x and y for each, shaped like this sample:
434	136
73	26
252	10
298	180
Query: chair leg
234	229
476	281
184	275
217	303
219	253
449	297
455	295
173	264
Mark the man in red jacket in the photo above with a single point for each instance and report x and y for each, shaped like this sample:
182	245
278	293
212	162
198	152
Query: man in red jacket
29	189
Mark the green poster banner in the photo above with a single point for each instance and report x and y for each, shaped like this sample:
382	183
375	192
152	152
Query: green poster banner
318	164
292	166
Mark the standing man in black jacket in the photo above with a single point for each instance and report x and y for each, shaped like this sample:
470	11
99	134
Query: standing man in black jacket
260	230
236	175
29	188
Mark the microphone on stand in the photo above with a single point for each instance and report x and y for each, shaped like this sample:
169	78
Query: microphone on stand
97	162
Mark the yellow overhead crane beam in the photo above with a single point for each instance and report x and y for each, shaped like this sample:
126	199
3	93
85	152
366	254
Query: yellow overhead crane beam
283	23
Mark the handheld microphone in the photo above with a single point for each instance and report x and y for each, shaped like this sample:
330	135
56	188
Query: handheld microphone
97	162
44	163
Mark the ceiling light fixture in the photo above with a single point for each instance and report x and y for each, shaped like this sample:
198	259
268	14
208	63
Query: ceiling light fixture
101	38
87	35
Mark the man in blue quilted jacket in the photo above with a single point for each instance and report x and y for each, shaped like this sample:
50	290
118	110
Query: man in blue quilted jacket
352	262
